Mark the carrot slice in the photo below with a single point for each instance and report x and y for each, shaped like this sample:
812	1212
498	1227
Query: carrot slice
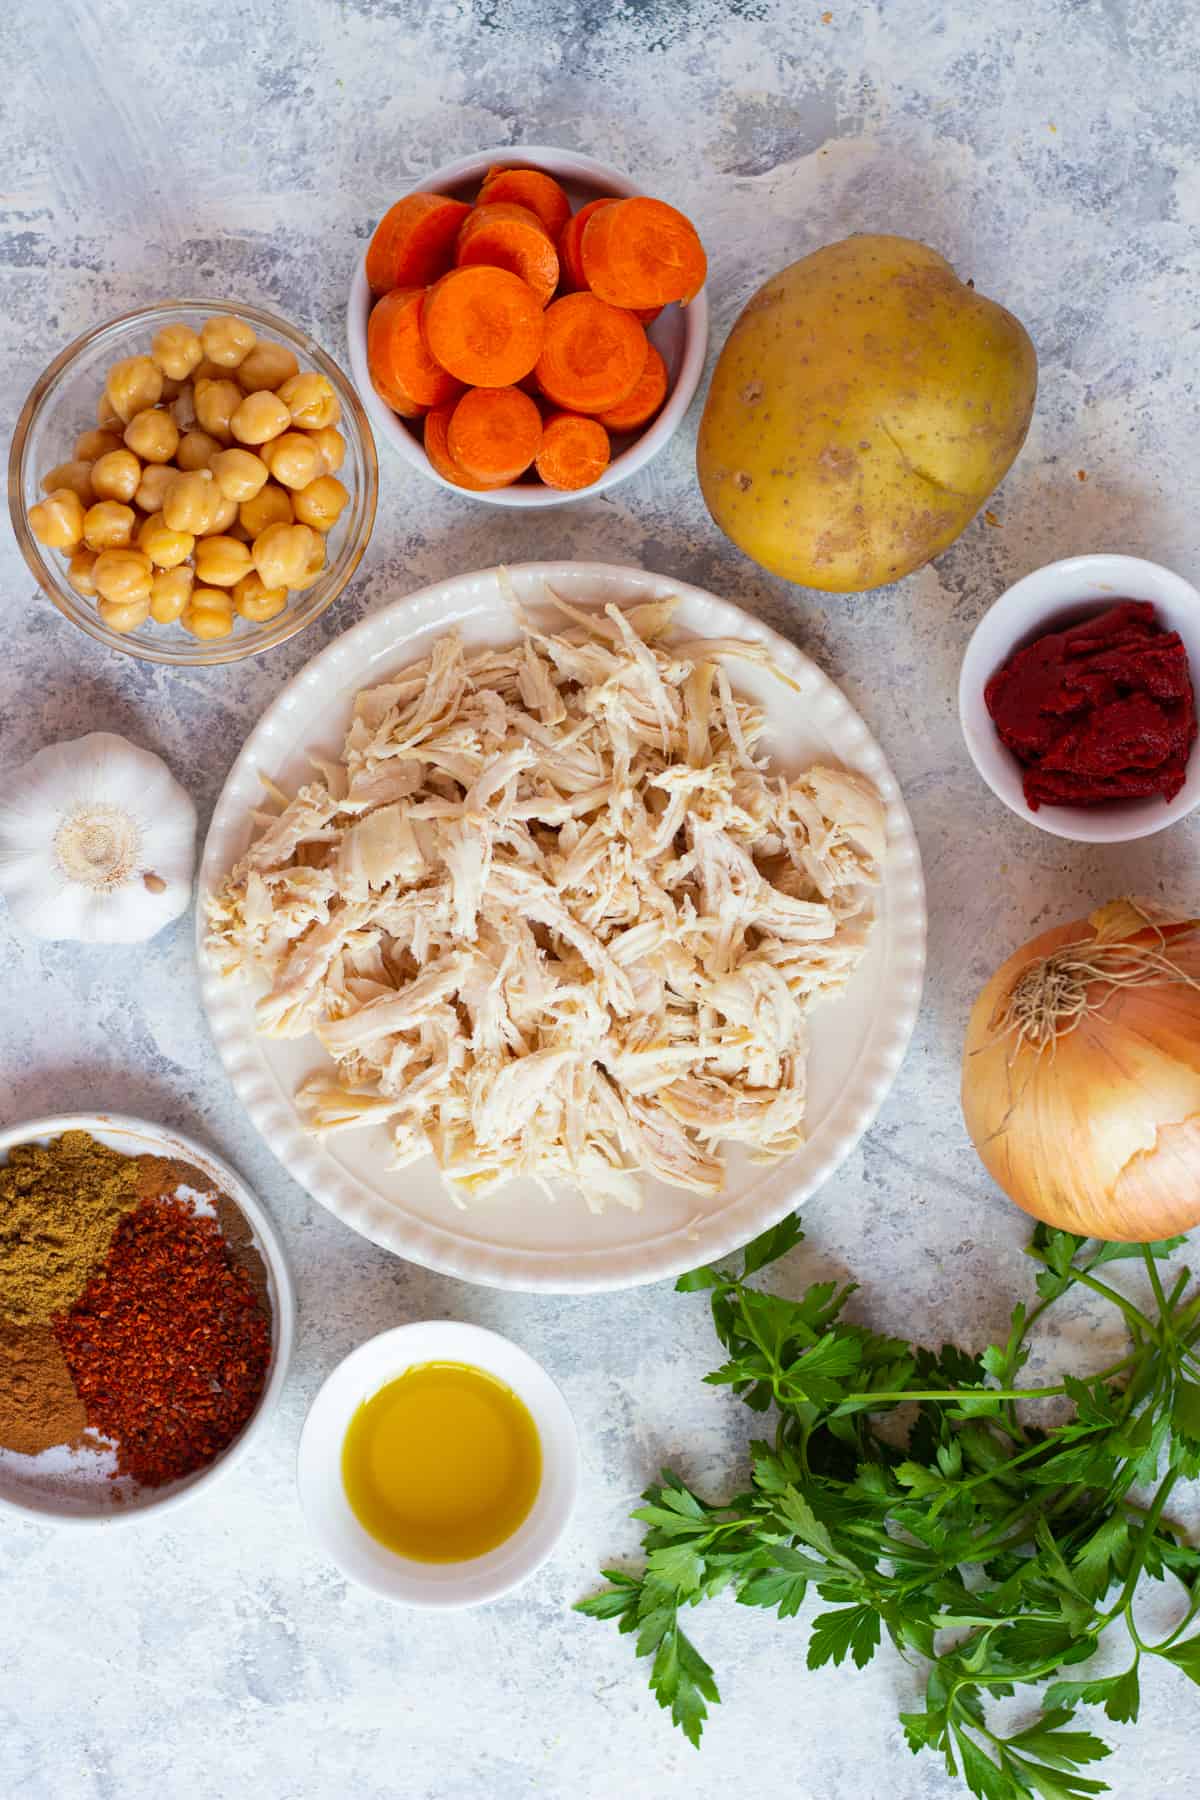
531	188
437	423
593	354
402	371
484	325
645	399
494	433
575	451
506	236
414	241
642	252
570	239
647	314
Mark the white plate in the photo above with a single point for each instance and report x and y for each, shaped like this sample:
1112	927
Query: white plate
517	1238
45	1487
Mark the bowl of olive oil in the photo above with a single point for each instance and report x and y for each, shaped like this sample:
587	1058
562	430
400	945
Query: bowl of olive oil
438	1465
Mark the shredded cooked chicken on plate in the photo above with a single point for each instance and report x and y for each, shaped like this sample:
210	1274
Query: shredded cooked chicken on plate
550	915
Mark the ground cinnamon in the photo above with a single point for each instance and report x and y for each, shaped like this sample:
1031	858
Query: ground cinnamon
39	1406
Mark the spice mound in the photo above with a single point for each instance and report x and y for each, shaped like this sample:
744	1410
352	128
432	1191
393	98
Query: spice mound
134	1315
1103	711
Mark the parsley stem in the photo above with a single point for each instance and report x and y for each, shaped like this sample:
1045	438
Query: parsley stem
1156	1284
1137	1319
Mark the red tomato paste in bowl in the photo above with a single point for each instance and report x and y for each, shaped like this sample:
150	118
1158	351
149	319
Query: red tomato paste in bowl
1103	710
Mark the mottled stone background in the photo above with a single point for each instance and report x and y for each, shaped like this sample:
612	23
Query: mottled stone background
244	149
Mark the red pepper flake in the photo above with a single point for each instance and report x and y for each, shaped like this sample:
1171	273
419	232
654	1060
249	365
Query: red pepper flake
168	1345
1081	474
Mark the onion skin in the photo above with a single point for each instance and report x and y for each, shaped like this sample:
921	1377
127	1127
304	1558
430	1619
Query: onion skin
1100	1135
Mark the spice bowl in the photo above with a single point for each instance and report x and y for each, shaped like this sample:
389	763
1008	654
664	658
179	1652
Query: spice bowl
327	1508
62	404
1053	598
71	1488
680	333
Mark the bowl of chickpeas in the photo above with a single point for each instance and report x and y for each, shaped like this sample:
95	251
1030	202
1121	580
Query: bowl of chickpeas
193	482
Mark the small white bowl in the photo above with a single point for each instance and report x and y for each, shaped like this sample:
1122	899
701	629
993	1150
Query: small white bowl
680	333
1052	598
60	1499
319	1467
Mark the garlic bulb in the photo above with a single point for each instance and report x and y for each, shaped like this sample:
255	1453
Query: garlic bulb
97	842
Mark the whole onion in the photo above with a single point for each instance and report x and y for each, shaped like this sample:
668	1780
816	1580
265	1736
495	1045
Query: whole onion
1081	1074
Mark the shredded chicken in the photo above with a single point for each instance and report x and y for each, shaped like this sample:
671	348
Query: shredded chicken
552	916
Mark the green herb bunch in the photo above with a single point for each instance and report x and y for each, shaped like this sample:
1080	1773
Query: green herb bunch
999	1553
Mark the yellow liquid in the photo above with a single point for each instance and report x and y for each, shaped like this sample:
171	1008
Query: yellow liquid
442	1464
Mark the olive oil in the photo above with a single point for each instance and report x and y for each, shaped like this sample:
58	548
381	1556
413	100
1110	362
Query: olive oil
442	1464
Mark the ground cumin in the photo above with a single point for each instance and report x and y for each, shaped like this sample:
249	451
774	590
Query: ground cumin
39	1406
59	1206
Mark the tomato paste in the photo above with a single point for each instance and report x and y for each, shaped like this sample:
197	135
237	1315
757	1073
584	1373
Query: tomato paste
1102	711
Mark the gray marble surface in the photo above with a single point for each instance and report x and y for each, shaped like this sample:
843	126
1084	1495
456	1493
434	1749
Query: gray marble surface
244	149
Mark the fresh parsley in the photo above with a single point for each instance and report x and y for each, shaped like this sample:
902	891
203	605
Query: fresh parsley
996	1552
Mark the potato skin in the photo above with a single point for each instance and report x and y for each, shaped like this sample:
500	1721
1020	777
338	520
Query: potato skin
865	405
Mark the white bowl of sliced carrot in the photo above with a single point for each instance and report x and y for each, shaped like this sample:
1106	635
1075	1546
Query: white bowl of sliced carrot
528	326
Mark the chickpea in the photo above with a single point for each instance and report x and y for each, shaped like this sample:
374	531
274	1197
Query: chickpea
266	367
332	446
222	514
208	614
116	475
293	459
165	548
272	506
187	502
227	341
260	417
74	475
124	615
254	601
108	525
90	445
238	530
239	474
183	407
314	568
107	417
221	561
79	573
171	390
122	575
152	489
133	383
282	554
209	371
170	591
320	504
57	521
196	450
311	401
216	402
153	435
176	350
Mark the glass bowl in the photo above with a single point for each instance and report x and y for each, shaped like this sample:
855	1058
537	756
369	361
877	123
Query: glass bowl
63	403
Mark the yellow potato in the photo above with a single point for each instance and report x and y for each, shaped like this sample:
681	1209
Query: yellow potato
865	405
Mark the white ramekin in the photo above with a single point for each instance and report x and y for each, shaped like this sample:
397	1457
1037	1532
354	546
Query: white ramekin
1059	595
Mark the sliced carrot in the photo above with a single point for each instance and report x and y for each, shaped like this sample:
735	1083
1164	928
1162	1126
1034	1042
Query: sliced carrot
569	241
507	236
494	433
575	451
531	188
642	252
484	325
647	314
402	371
593	354
437	449
645	399
414	241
